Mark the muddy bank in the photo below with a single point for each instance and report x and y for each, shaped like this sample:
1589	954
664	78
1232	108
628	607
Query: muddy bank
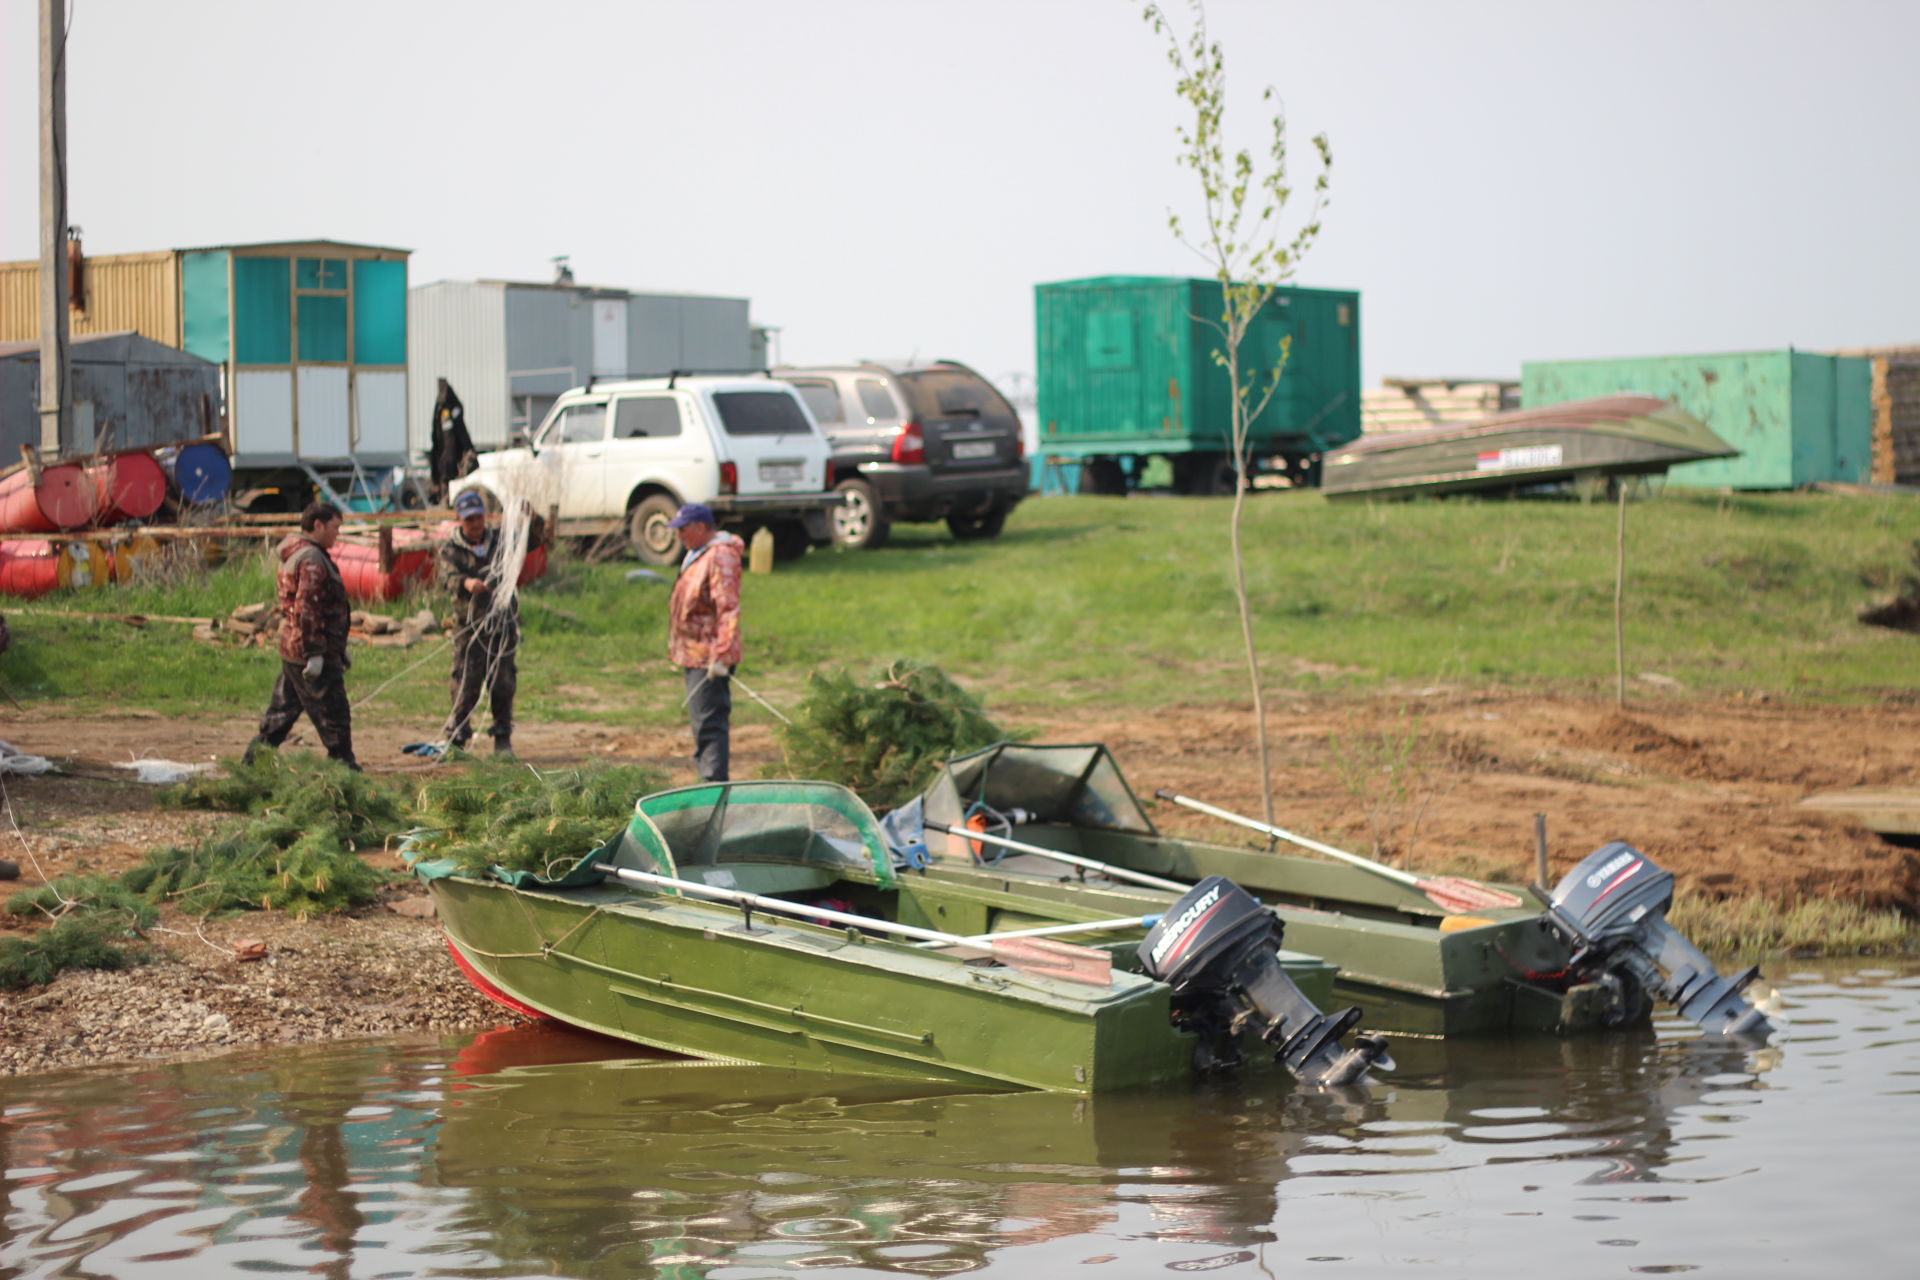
1446	779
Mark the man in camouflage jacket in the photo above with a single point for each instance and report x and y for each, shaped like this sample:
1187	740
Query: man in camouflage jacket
486	640
314	617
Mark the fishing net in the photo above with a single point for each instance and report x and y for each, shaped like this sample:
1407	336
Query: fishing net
884	737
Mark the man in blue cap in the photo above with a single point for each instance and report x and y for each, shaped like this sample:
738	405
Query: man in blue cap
703	632
486	636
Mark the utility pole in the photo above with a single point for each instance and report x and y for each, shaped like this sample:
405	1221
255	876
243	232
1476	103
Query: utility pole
56	413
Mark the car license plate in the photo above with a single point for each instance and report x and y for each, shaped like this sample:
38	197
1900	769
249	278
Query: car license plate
779	472
965	449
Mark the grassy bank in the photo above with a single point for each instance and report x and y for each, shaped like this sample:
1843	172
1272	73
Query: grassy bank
1128	601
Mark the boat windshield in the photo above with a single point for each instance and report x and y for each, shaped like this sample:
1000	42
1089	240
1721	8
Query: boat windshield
816	824
1071	785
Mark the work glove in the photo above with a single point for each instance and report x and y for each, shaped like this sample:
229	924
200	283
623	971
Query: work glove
314	666
718	671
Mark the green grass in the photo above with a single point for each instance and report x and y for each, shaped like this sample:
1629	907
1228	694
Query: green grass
1128	601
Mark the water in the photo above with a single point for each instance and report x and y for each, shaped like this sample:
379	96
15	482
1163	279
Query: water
533	1152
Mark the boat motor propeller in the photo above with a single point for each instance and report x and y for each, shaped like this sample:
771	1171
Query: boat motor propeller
1613	906
1216	948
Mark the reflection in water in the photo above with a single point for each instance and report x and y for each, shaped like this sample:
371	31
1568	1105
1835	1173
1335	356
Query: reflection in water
535	1151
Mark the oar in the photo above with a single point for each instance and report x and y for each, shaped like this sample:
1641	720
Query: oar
1078	964
1056	930
1071	859
1451	892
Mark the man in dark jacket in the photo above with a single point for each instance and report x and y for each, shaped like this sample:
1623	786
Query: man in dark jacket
314	617
486	636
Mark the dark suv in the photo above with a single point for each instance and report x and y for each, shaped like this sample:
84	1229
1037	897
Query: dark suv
915	442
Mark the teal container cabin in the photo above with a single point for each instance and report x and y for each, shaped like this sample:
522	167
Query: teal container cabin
1127	375
313	336
1796	417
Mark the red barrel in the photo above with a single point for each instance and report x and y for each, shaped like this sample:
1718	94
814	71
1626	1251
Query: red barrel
28	569
128	487
63	499
359	567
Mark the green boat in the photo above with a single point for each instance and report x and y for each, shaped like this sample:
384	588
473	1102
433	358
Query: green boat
765	922
1411	964
1578	440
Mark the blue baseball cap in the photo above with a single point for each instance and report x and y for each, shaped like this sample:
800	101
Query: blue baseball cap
692	513
469	503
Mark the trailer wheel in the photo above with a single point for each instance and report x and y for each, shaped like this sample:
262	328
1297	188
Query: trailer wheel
652	541
1211	475
1102	476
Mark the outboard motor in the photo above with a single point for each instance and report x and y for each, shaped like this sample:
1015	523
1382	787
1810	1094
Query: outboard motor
1613	906
1215	947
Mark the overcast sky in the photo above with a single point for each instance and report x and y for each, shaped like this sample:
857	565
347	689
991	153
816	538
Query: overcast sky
1512	180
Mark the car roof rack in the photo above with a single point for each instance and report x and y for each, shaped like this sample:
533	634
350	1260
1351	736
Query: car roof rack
673	375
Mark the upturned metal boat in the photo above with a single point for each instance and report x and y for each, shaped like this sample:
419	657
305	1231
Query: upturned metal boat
1597	955
765	922
1607	436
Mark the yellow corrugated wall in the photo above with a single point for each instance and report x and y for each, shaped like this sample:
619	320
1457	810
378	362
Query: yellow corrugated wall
138	291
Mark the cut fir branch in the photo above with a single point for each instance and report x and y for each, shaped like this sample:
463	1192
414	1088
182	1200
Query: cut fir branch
1242	239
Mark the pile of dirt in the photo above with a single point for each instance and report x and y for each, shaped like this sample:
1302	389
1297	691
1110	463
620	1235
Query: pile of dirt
1654	749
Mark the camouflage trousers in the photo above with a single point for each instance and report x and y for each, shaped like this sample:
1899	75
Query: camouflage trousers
323	700
710	712
484	653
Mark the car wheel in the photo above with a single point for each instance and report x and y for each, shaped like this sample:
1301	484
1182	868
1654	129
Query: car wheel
987	524
647	530
859	522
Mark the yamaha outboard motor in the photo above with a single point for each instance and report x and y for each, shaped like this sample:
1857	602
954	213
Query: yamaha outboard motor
1613	906
1216	949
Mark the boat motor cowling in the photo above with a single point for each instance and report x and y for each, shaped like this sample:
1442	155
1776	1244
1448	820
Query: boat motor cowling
1614	907
1216	948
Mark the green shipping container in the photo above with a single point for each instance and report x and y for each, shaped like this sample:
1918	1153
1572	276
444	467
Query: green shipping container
1796	417
1127	374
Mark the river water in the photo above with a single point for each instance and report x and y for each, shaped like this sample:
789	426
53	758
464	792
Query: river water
542	1152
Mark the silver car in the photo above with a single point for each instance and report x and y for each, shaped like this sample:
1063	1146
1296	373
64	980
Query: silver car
915	442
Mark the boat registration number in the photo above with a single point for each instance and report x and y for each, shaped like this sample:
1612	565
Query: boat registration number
1524	457
965	449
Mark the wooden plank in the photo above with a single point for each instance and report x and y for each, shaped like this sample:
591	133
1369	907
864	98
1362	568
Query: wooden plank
1891	811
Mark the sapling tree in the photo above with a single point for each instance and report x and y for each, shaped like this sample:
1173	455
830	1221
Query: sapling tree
1243	236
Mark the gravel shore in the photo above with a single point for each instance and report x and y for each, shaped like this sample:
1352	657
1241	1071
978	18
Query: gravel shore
329	978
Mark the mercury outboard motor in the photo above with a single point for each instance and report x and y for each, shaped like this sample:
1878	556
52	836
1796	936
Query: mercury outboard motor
1613	906
1216	948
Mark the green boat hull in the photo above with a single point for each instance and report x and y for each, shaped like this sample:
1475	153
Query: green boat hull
701	978
697	980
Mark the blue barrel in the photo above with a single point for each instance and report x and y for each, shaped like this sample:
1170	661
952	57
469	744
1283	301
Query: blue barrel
200	472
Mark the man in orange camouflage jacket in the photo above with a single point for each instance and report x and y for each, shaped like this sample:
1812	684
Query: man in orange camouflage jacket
314	617
703	632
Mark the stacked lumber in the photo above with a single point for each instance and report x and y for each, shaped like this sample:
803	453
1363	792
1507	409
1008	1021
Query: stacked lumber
1413	404
258	626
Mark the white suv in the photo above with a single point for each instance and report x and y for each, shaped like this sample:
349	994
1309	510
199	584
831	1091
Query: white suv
626	454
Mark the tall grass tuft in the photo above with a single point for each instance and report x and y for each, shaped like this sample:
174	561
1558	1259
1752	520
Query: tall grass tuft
1757	925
